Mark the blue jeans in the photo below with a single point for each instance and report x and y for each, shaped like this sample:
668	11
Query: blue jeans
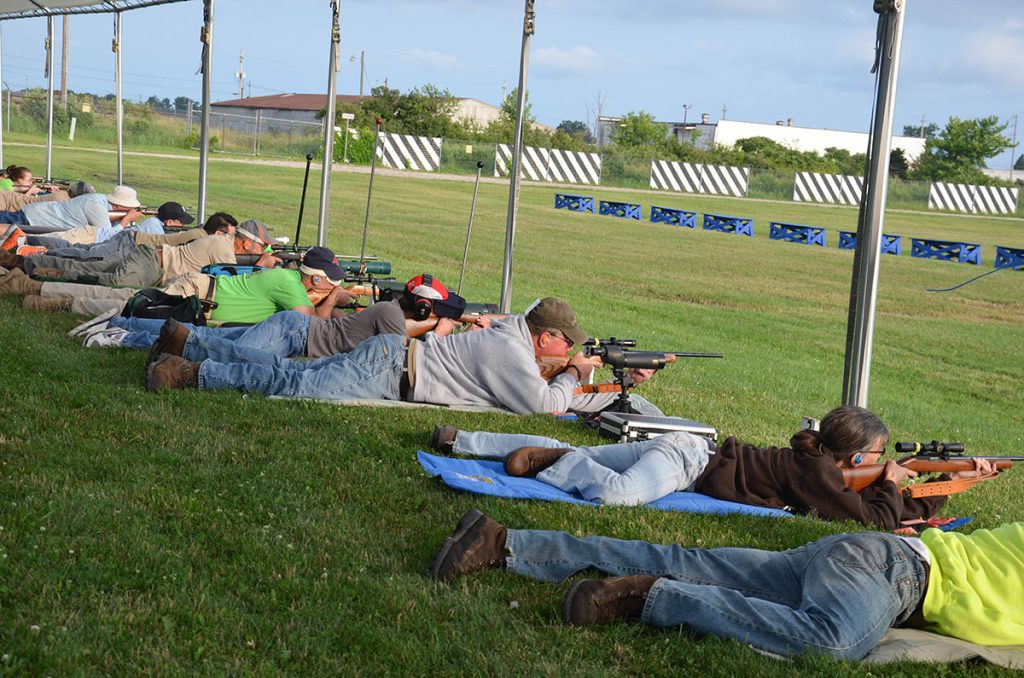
617	474
836	596
142	332
282	335
17	217
372	371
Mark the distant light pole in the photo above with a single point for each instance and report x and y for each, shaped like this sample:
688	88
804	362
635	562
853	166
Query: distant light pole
686	109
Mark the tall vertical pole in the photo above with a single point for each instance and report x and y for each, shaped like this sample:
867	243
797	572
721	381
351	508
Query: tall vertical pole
118	100
49	97
362	70
517	151
1013	146
2	103
206	36
332	83
864	285
64	64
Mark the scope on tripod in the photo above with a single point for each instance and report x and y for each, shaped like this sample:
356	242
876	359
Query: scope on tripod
934	447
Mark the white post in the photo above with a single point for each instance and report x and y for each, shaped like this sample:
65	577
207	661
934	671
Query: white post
864	286
118	101
204	136
325	176
517	151
49	97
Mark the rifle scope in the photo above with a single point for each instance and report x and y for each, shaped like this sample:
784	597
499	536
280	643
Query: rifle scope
617	357
934	446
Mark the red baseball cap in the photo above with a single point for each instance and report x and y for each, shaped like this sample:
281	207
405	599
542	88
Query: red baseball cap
428	287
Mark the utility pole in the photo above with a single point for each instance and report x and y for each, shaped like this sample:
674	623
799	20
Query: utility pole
64	66
241	74
362	71
724	111
922	126
504	91
1013	146
686	109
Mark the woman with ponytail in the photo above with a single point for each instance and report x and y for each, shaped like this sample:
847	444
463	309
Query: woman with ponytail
805	478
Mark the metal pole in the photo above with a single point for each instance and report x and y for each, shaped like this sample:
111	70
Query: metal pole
206	37
2	103
1013	146
369	195
256	135
64	64
49	97
469	226
118	101
864	285
325	176
517	150
344	154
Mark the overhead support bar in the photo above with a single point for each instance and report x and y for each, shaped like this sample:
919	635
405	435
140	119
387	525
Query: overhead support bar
325	176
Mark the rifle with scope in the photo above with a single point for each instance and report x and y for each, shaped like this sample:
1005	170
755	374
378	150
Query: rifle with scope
619	354
932	457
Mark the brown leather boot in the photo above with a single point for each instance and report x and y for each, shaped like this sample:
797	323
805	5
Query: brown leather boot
443	438
526	462
171	340
170	371
8	259
17	282
599	601
477	543
34	302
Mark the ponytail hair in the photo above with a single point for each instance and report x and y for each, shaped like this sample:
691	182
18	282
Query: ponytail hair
844	431
14	172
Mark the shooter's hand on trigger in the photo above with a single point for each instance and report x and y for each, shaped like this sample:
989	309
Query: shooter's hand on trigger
131	217
268	260
982	467
585	365
897	473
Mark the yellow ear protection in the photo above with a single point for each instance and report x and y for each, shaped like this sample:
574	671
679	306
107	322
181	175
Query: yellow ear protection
421	308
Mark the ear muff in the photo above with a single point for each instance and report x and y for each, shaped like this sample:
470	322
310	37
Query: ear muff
422	308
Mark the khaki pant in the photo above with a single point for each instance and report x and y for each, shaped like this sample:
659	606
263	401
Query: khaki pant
171	239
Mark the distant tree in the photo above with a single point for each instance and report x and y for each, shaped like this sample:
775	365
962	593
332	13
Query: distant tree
959	152
158	104
181	104
929	131
639	130
845	162
1019	165
509	108
576	129
426	111
898	165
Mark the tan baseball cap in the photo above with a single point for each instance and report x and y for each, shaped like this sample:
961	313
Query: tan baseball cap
555	314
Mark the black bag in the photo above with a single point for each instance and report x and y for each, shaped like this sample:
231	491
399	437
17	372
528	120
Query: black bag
152	303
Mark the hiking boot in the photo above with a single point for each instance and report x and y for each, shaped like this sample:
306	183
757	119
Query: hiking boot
35	302
443	438
11	237
8	259
476	544
171	340
599	601
171	371
17	282
526	462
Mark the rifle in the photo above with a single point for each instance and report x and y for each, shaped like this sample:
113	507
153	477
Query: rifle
933	457
618	354
290	257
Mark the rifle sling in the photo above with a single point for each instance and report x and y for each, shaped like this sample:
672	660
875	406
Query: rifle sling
946	487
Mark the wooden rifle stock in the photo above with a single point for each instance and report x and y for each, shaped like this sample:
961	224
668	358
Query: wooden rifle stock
861	477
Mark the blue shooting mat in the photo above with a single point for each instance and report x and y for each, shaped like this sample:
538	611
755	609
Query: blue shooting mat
489	477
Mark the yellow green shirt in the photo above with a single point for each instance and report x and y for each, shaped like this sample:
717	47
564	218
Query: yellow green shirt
976	584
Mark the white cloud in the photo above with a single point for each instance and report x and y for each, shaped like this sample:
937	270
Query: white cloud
576	61
995	57
431	59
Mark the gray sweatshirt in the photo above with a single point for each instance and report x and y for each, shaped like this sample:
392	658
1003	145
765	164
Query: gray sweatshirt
494	367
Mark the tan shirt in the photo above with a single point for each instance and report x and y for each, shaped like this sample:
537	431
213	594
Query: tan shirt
213	249
12	201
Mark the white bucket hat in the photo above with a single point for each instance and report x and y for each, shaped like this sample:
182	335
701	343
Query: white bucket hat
124	196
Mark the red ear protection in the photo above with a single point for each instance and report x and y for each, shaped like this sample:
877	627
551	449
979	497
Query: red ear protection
422	308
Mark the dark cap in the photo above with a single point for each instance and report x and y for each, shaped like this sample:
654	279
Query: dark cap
321	261
554	314
454	307
174	210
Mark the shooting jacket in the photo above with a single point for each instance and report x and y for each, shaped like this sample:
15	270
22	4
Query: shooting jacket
495	367
805	483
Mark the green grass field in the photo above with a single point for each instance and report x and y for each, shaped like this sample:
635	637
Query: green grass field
211	533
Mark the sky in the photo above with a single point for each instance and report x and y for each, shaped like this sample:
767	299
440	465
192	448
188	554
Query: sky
748	60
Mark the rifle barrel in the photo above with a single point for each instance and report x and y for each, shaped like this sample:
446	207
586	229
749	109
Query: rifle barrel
695	355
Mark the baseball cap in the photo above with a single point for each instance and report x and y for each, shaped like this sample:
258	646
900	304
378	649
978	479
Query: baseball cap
254	230
321	261
552	313
454	307
428	287
174	210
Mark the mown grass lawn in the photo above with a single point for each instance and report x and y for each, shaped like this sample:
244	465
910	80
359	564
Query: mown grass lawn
212	533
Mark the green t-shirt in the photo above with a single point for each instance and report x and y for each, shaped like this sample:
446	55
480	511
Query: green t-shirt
6	184
254	297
